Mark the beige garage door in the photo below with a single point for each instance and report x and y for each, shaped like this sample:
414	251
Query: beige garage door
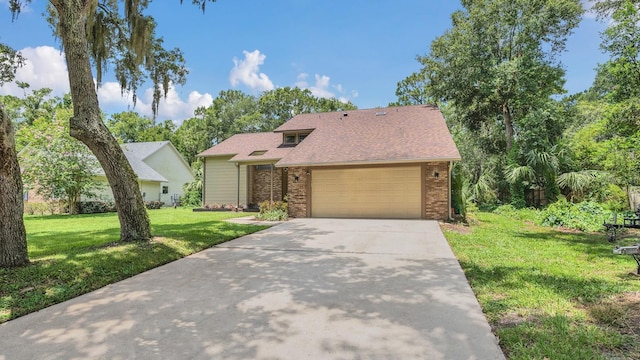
393	192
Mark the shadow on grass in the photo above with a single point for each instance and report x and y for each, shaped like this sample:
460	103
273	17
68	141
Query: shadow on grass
512	278
76	262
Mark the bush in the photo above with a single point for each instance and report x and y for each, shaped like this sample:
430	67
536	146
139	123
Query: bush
154	204
35	208
192	197
273	211
585	216
95	207
614	198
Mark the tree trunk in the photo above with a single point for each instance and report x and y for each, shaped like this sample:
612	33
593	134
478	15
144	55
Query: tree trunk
508	123
86	124
13	237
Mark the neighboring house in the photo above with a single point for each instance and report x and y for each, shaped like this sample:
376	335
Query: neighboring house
160	168
377	163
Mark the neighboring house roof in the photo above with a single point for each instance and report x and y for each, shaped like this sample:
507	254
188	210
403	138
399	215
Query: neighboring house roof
136	153
144	149
384	135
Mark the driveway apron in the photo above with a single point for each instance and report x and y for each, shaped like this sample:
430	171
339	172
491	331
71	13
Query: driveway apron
304	289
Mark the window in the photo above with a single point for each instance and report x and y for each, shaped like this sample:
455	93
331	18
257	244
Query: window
294	138
290	139
264	167
165	189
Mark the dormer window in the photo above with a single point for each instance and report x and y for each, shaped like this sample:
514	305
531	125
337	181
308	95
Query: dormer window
290	139
293	139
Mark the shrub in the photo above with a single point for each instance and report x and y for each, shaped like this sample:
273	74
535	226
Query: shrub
35	208
154	204
95	207
585	216
614	198
273	211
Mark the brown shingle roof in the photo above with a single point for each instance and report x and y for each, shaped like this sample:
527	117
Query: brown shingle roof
384	135
242	145
394	134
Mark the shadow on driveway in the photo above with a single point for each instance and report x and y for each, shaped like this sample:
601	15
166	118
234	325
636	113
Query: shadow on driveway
307	288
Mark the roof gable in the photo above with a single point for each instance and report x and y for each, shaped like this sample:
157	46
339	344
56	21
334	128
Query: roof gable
144	149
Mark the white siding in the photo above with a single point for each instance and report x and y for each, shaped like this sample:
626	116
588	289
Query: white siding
168	163
150	190
221	182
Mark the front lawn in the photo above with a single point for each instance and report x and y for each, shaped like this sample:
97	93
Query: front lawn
551	294
72	255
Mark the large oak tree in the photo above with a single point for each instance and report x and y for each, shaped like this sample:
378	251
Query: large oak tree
13	237
103	32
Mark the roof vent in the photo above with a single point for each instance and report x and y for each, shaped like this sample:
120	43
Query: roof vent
345	114
381	113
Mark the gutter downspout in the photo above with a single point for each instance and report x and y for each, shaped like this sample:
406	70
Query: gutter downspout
204	180
449	198
271	185
238	192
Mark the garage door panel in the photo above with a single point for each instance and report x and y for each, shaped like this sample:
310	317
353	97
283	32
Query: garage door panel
393	192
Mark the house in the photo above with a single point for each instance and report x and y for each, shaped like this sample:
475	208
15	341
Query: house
378	163
160	168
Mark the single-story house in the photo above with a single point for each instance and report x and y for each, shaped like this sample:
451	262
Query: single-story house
378	163
161	171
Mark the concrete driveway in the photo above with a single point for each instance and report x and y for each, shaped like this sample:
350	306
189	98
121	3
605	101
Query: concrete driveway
304	289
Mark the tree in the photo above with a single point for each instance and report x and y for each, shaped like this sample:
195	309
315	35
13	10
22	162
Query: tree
13	236
130	127
621	40
99	32
281	104
413	90
499	60
55	164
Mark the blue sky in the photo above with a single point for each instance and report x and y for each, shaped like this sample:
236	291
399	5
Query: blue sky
354	50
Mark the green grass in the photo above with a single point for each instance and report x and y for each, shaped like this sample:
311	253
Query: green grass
72	255
551	294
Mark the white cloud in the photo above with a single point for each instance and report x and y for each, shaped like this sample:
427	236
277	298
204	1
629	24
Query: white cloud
322	87
247	72
172	107
45	67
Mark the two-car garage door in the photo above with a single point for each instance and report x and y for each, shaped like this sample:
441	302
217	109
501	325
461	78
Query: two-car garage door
383	192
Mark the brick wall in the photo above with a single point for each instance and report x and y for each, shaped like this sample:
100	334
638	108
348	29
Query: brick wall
261	185
436	191
297	191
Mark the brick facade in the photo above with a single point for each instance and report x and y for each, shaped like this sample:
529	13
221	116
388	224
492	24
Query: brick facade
436	191
261	185
298	191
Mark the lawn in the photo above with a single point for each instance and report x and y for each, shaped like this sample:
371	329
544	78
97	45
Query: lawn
551	294
72	255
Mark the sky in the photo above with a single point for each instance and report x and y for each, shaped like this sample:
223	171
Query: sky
352	50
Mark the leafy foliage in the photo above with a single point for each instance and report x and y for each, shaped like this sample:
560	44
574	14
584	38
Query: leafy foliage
55	164
273	211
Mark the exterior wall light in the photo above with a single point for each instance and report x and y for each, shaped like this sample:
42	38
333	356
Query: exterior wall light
436	174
